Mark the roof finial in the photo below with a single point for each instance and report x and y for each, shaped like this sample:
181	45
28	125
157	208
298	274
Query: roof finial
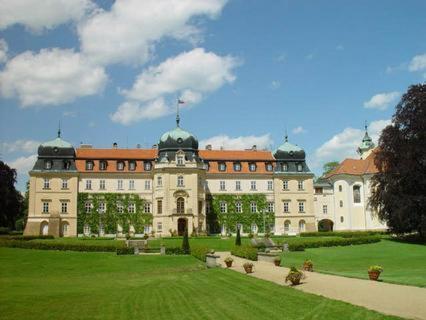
286	135
179	101
365	125
59	129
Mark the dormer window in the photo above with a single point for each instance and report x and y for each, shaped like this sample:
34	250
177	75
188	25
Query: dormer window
120	165
269	167
147	166
284	167
132	165
48	165
222	166
67	165
89	165
180	160
252	167
102	165
237	166
299	167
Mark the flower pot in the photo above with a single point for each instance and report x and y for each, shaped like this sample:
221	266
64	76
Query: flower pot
228	264
295	281
373	275
308	267
277	263
248	269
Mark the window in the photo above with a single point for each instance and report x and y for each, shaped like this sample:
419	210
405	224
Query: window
252	167
131	208
253	207
88	184
89	165
67	165
270	207
357	194
48	165
237	166
252	185
318	190
64	184
301	206
159	181
86	229
299	167
342	219
222	185
269	167
222	166
341	204
88	207
223	207
270	185
102	184
286	206
65	229
132	165
287	226
238	207
147	207
102	207
146	229
285	184
147	184
180	205
64	207
324	209
45	207
254	228
302	226
300	185
340	188
147	166
102	165
159	206
180	181
46	183
159	226
120	165
180	161
120	184
120	207
237	185
131	184
284	167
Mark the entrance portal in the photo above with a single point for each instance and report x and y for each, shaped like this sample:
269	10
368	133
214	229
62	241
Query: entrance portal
182	225
325	225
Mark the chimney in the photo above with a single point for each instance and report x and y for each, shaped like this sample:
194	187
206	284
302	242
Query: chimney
254	148
208	147
221	147
155	146
138	146
85	146
115	145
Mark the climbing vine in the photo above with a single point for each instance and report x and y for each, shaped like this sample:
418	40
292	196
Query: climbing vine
262	219
111	218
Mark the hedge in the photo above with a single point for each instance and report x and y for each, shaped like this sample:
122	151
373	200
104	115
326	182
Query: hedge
199	252
246	252
125	251
302	245
44	245
343	234
27	238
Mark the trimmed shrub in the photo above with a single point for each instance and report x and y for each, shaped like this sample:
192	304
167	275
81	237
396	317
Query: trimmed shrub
246	252
51	245
125	251
200	252
343	234
302	245
174	251
27	238
4	230
185	243
238	238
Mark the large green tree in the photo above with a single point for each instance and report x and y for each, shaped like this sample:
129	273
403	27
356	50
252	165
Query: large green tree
329	166
10	198
399	189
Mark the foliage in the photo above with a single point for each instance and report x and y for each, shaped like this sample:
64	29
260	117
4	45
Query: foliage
238	238
308	263
125	251
229	259
174	251
11	201
375	269
185	243
246	252
294	276
302	245
277	258
246	218
329	166
200	252
56	245
111	218
343	234
248	265
21	237
399	188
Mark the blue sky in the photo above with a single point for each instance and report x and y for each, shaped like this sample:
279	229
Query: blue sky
248	70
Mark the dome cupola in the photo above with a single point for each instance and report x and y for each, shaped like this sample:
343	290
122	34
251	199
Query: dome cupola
366	145
288	151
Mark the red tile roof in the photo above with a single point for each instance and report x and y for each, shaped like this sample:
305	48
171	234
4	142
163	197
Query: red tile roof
356	166
136	154
236	155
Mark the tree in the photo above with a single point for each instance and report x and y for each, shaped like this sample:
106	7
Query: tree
185	243
399	188
10	198
238	238
329	166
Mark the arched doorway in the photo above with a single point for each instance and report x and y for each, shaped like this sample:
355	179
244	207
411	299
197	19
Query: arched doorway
302	226
180	205
44	228
182	225
65	229
325	225
287	225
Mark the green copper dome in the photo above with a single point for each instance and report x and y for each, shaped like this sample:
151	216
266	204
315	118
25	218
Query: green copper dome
289	151
175	134
58	142
366	143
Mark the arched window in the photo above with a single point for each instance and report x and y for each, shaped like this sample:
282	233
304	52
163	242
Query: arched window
86	230
302	226
287	226
65	228
357	194
180	205
44	228
341	204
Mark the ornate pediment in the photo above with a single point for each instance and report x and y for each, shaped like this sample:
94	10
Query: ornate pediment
180	193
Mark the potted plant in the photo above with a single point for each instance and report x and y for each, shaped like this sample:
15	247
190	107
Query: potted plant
277	261
308	265
374	272
248	267
294	276
228	261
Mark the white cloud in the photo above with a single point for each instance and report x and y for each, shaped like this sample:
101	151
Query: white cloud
382	100
50	77
340	47
418	63
344	144
28	146
37	15
298	130
22	166
128	32
238	143
132	112
3	50
275	84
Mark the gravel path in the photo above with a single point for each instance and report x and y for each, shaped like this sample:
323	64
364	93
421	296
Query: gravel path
392	299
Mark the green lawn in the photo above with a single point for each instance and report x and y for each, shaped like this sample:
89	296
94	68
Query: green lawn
79	285
402	262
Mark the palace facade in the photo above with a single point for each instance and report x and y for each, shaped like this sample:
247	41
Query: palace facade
176	186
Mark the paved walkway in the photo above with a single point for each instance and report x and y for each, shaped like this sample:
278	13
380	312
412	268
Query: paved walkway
392	299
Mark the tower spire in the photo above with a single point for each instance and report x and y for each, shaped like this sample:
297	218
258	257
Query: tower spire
286	135
59	129
177	113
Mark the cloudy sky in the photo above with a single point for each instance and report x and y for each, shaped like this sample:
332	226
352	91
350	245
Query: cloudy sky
247	70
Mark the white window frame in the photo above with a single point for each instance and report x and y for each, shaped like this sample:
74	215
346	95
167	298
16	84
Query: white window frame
89	184
270	185
46	183
147	184
238	185
270	207
102	184
120	207
180	181
102	207
301	205
324	209
132	207
159	181
239	207
180	160
88	206
223	207
285	184
286	206
131	184
64	183
253	185
132	165
120	184
222	185
253	207
252	167
45	207
64	207
300	185
147	207
120	165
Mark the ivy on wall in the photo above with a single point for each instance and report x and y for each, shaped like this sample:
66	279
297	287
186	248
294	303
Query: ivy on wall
246	218
111	217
